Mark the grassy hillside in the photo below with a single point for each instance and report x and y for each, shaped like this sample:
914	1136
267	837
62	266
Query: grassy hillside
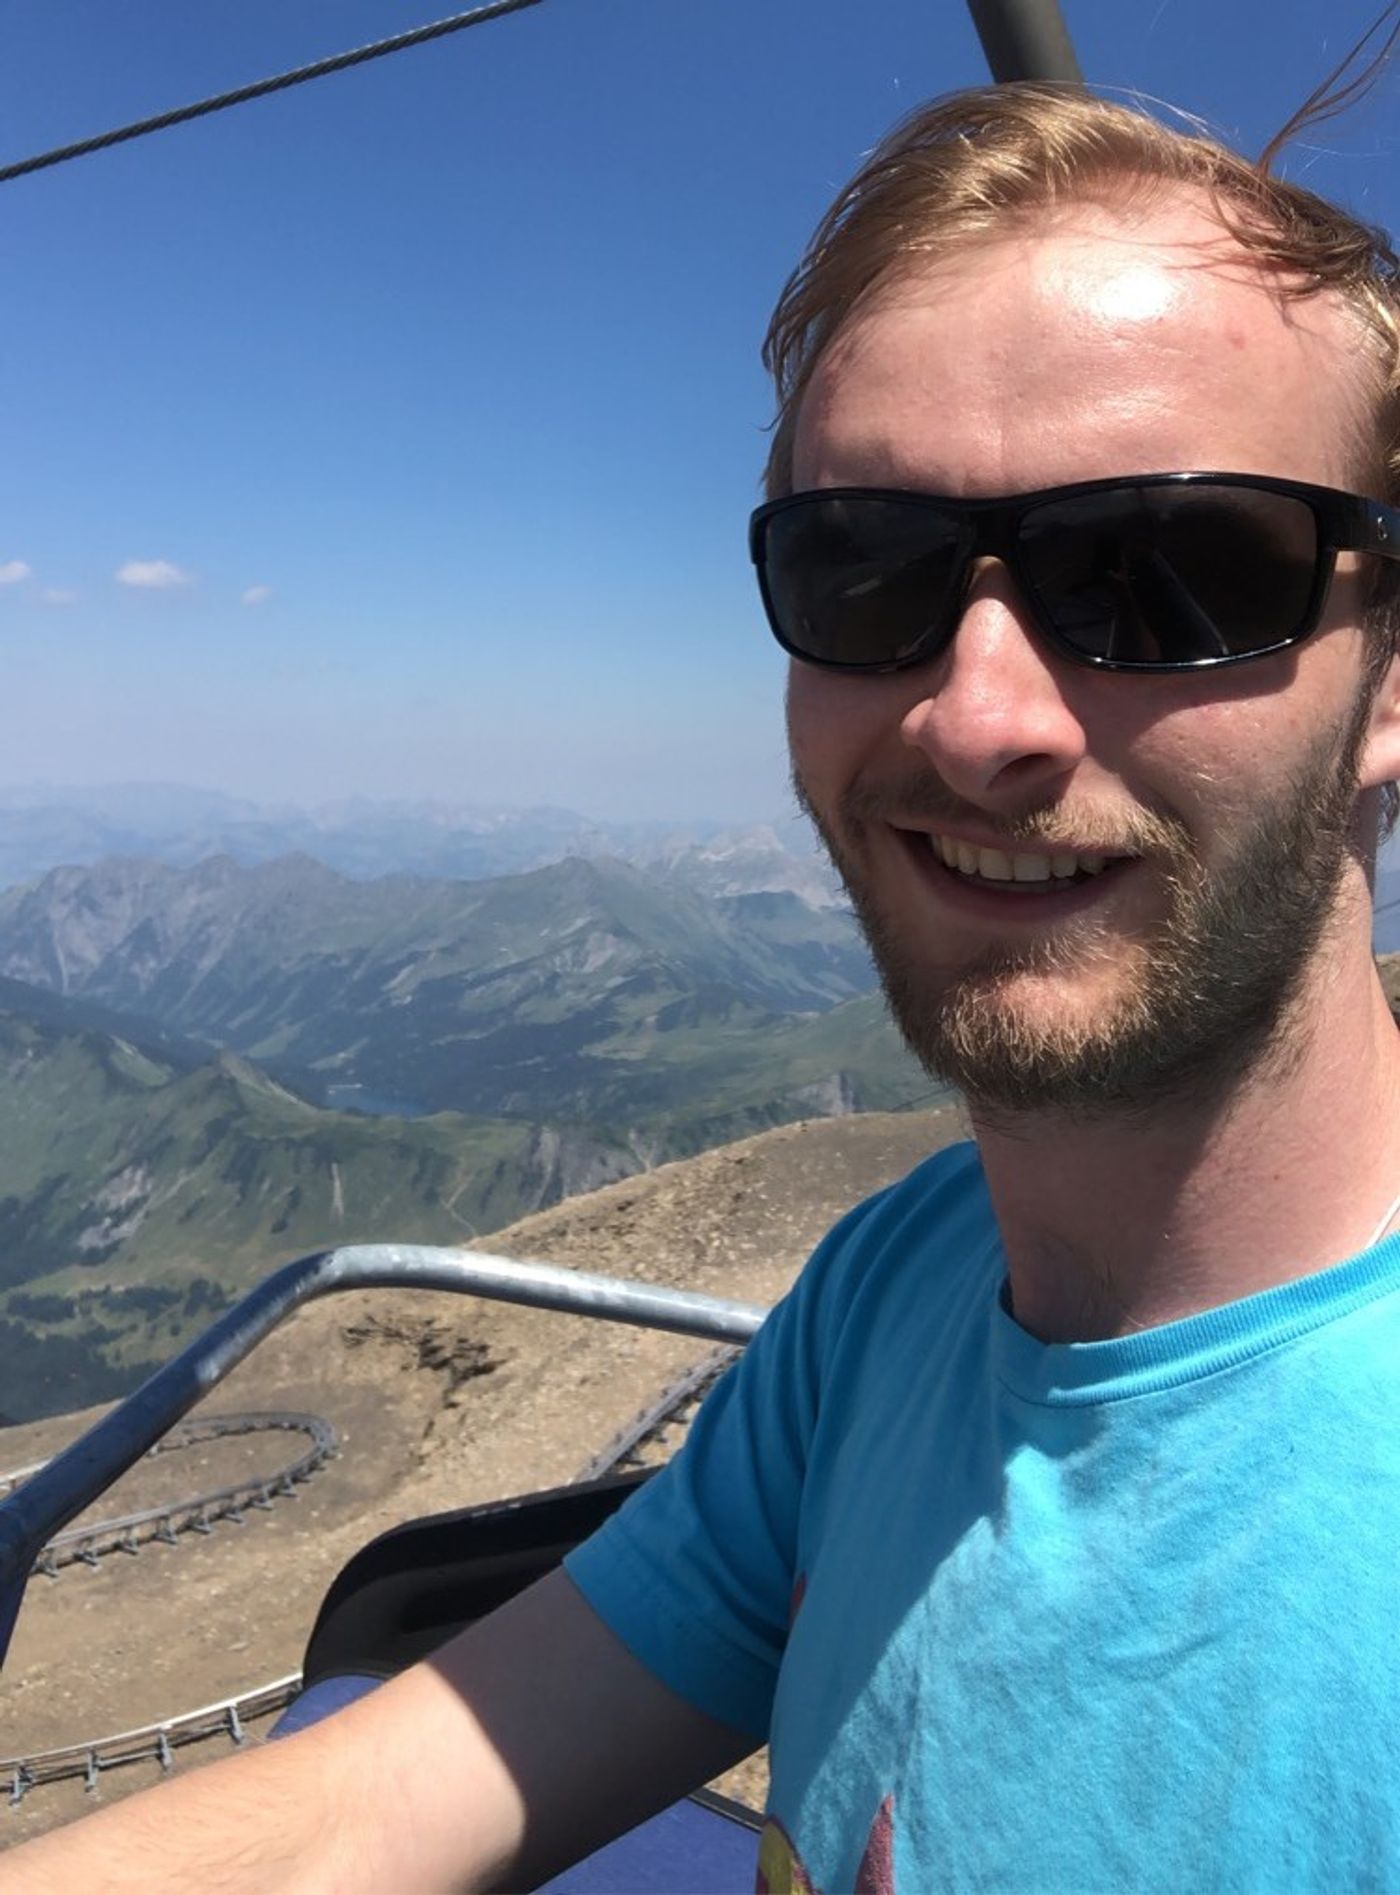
140	1188
693	1082
135	1197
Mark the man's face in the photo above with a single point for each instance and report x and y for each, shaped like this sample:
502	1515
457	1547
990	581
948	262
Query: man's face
1209	817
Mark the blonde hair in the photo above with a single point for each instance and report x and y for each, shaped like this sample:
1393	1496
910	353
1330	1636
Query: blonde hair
971	165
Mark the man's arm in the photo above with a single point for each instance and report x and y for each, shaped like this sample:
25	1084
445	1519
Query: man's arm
523	1744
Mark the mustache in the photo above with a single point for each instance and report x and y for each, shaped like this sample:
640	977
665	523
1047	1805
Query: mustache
926	799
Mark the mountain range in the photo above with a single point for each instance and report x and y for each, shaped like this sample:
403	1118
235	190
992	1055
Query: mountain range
589	990
177	1047
44	826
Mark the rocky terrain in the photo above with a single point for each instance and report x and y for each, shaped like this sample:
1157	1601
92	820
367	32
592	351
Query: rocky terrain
422	1429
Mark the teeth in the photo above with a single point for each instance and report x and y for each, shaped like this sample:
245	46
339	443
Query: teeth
999	865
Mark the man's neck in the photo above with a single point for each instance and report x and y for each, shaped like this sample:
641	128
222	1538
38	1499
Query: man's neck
1119	1225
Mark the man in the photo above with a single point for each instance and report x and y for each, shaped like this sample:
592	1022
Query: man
1049	1526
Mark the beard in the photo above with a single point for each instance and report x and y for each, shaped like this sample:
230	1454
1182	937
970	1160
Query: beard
1198	1003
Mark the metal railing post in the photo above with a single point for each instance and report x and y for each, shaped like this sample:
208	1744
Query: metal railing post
1025	39
72	1480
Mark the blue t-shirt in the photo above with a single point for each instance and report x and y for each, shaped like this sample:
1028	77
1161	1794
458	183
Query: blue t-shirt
1097	1616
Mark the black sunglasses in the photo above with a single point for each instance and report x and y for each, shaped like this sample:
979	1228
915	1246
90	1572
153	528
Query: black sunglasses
1150	572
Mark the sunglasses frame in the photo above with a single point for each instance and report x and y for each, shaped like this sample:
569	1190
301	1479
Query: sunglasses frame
1346	522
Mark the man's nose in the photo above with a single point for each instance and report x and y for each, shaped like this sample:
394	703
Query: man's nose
995	718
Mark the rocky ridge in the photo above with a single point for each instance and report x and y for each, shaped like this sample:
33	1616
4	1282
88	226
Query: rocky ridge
439	1402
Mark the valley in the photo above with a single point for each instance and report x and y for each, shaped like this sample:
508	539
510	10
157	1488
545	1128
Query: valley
180	1050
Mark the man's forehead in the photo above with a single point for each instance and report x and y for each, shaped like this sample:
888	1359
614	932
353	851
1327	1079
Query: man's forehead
1133	332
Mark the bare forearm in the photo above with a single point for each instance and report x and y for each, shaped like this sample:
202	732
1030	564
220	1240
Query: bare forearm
341	1807
523	1744
254	1821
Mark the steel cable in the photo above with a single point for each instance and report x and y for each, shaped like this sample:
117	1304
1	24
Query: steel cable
260	88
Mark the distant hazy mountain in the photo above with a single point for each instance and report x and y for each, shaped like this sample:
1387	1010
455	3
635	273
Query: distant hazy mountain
741	862
573	992
43	827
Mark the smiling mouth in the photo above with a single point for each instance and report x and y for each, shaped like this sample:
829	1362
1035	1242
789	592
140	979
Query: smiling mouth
1016	871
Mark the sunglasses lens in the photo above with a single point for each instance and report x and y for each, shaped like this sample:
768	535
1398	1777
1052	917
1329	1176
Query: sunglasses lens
1172	575
861	580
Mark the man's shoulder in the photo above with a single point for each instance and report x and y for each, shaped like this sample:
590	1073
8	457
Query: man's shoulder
932	1227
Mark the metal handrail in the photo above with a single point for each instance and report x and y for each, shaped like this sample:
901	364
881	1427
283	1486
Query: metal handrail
683	1393
61	1489
148	1742
193	1513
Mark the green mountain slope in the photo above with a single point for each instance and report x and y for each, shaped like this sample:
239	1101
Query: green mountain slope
693	1083
139	1191
136	1197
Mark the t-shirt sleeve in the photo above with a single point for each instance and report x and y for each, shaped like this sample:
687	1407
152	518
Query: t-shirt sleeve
695	1574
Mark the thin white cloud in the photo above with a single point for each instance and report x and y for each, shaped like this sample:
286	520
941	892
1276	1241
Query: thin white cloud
154	575
13	571
257	595
58	595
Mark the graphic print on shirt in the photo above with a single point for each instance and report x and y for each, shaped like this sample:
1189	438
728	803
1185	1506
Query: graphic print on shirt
781	1870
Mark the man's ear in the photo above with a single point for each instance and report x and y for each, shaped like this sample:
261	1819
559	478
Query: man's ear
1380	756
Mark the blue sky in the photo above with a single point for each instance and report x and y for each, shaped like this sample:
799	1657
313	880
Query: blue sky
432	390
